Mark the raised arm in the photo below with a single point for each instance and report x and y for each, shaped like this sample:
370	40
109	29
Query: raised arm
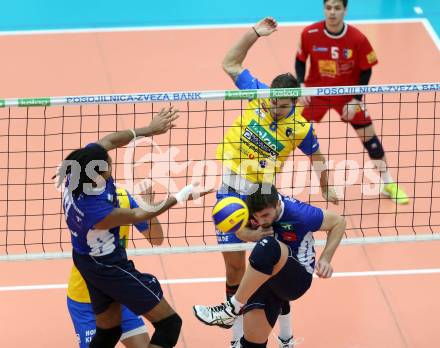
161	123
335	225
121	216
232	63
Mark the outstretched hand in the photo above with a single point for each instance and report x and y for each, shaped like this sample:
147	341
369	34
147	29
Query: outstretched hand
198	191
266	26
163	121
192	192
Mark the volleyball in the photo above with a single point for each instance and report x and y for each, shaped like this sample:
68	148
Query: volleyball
230	214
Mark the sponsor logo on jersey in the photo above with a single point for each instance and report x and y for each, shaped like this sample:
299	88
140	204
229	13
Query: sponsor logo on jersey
249	135
327	68
371	57
346	68
289	236
319	49
259	130
348	53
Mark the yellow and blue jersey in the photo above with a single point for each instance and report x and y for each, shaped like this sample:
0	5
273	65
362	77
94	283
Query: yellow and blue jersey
77	288
257	145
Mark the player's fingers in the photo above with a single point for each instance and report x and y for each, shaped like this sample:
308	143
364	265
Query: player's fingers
318	272
174	116
318	268
330	272
327	272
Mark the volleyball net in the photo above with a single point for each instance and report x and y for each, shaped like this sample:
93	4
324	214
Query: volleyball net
38	133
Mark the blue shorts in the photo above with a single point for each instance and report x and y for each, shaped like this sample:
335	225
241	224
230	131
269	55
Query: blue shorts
230	237
113	278
83	320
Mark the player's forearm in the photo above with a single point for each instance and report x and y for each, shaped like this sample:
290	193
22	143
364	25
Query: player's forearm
319	165
235	56
246	234
333	239
140	214
155	232
364	79
300	70
122	138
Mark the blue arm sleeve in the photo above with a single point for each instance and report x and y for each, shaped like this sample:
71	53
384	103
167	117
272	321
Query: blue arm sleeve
140	226
246	81
310	217
96	208
310	143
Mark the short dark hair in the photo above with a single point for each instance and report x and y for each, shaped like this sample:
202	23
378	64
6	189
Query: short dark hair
344	2
83	156
264	196
286	80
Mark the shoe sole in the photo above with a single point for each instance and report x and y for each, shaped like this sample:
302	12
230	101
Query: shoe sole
223	326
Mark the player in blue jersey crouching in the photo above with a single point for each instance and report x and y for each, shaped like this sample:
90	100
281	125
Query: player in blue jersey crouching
280	266
93	218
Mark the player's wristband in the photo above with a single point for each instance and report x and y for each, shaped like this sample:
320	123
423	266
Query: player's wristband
256	32
183	194
133	132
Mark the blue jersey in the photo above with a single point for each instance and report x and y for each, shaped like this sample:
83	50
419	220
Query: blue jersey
294	227
85	211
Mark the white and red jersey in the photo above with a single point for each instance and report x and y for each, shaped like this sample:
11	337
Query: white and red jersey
335	60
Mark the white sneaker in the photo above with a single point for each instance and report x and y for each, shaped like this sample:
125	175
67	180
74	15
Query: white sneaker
235	344
222	315
289	343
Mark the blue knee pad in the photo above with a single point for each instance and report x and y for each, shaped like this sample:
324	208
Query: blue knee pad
374	148
265	255
106	338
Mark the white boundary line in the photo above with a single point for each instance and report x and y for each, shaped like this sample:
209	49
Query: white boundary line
226	247
193	27
430	271
429	28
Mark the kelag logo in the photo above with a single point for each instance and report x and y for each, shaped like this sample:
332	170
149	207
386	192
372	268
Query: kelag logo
265	136
34	102
285	93
237	95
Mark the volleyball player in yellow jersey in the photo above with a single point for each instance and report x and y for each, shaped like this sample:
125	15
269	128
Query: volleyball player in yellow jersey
134	331
254	149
